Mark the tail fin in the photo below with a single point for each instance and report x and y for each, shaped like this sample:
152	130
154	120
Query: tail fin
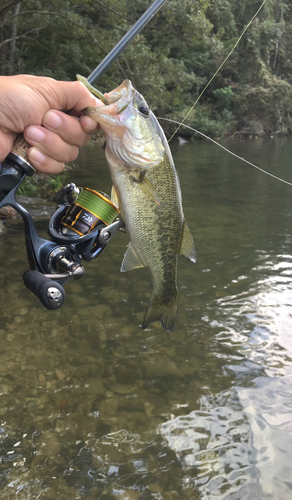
164	312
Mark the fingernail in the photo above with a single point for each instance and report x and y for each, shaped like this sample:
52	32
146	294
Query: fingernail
35	133
52	120
36	156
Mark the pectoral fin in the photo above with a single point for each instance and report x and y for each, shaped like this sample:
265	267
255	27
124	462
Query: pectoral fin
149	189
187	248
130	260
114	197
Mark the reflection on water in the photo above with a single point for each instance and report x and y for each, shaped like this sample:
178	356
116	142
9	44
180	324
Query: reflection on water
214	447
92	406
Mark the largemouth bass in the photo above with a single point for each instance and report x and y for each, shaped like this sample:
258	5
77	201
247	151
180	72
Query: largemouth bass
146	188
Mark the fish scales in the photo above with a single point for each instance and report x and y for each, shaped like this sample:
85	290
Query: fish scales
154	228
146	188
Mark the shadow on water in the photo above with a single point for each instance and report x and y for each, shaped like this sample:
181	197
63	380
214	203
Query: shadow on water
92	406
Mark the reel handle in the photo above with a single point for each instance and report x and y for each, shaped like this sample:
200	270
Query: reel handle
51	294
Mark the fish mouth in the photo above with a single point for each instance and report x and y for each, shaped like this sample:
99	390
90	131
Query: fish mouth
121	92
118	99
131	138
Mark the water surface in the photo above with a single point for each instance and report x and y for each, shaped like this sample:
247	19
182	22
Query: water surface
94	407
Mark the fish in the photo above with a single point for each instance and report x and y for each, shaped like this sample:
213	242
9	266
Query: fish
147	191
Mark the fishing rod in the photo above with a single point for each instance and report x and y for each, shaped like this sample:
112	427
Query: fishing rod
125	41
85	219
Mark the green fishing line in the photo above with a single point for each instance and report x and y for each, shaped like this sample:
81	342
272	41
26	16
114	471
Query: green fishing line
98	204
217	71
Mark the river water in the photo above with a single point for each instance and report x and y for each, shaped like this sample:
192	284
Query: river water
94	407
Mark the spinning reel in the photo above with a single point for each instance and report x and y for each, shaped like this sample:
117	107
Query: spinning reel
80	228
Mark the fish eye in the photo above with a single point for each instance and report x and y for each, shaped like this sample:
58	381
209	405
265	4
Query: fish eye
144	110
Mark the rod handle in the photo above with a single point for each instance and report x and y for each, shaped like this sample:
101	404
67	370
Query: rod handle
20	147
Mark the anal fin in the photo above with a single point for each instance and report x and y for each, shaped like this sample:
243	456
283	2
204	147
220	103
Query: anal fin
187	248
130	260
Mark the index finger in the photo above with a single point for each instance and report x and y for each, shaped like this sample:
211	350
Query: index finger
68	127
69	96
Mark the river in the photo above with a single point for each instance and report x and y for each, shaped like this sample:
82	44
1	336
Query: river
94	407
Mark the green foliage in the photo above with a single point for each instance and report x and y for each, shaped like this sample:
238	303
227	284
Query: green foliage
44	186
224	96
171	61
268	104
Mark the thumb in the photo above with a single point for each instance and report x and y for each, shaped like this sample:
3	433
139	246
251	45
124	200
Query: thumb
69	95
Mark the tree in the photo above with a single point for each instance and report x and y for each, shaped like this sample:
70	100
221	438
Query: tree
171	61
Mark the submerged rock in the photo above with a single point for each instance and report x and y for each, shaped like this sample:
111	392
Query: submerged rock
161	367
7	212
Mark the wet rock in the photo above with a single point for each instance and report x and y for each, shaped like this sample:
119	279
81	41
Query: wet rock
102	336
161	367
59	374
7	212
33	405
47	449
123	389
82	372
109	406
173	495
97	369
100	311
145	495
155	488
5	388
148	408
85	312
188	369
128	495
178	335
64	425
23	310
140	316
136	421
79	301
128	330
93	386
126	374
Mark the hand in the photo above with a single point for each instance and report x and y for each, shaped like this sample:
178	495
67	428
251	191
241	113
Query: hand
33	106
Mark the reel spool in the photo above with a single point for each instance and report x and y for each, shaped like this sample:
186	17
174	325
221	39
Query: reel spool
89	210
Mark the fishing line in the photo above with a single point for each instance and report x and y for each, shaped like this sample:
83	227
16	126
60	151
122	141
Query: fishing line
217	71
228	151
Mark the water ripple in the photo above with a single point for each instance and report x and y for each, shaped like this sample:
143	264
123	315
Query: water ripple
215	448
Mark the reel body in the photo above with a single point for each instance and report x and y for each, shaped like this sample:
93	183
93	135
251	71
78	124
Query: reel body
80	228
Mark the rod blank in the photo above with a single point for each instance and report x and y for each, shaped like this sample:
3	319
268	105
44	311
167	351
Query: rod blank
124	42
